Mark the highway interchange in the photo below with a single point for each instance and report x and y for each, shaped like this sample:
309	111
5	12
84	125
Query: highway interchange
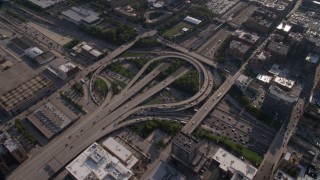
113	112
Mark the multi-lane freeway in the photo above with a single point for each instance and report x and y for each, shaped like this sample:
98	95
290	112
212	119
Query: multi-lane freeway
97	124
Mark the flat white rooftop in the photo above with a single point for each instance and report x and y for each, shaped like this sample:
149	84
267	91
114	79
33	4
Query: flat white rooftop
264	78
120	152
284	82
97	163
45	3
283	26
67	67
192	20
229	162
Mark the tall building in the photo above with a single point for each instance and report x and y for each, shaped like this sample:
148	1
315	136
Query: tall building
184	148
278	51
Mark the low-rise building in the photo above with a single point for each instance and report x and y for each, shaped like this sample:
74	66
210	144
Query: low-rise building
62	69
192	20
45	4
278	51
245	37
12	146
51	119
21	97
39	56
119	151
97	163
231	164
23	43
238	49
80	15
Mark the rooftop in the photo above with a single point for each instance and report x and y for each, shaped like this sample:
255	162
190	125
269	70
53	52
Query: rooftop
186	141
229	162
284	82
79	14
11	145
278	48
13	77
243	48
277	92
248	37
264	78
284	27
95	162
280	175
192	20
24	92
120	152
313	58
164	171
23	43
45	3
51	119
242	79
33	52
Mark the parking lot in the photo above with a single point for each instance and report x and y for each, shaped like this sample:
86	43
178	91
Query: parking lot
221	6
225	121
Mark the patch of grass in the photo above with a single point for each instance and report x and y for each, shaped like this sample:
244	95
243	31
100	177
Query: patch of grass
118	68
120	83
170	33
28	135
101	86
144	129
237	149
71	44
155	101
78	88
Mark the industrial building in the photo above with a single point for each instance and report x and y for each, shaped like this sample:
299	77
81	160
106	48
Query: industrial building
50	119
80	15
23	96
44	4
62	69
97	163
231	164
39	56
118	150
